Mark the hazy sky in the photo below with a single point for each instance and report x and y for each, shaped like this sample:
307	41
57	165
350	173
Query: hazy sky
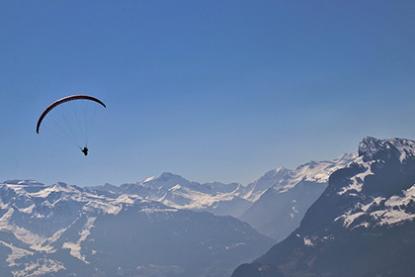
211	90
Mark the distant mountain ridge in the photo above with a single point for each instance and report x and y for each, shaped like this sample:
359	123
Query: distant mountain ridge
177	192
274	204
65	230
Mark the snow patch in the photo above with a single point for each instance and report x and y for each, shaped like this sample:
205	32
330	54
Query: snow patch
357	181
234	246
382	211
75	247
38	268
27	210
16	253
35	241
148	179
308	242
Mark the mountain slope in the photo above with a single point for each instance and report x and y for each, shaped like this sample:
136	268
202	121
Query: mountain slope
361	226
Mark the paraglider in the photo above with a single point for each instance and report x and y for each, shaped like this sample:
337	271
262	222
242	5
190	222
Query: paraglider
64	101
85	151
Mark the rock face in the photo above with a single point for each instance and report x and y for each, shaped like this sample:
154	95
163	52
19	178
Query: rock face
279	210
362	225
64	230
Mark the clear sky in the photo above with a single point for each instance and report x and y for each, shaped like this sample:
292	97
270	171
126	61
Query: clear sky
211	90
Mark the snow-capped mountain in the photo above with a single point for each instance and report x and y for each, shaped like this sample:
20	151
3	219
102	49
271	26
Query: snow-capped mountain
65	230
274	204
362	225
177	192
169	226
283	196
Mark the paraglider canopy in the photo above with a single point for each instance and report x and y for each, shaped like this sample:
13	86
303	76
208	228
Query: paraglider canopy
62	101
70	129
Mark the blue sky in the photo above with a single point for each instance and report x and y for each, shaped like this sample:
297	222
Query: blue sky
211	90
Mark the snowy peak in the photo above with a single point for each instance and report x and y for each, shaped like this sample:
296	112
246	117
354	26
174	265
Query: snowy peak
166	181
168	177
379	186
282	179
393	159
371	148
317	172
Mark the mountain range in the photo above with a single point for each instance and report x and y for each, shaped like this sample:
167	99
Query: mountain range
274	204
326	218
124	230
65	230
